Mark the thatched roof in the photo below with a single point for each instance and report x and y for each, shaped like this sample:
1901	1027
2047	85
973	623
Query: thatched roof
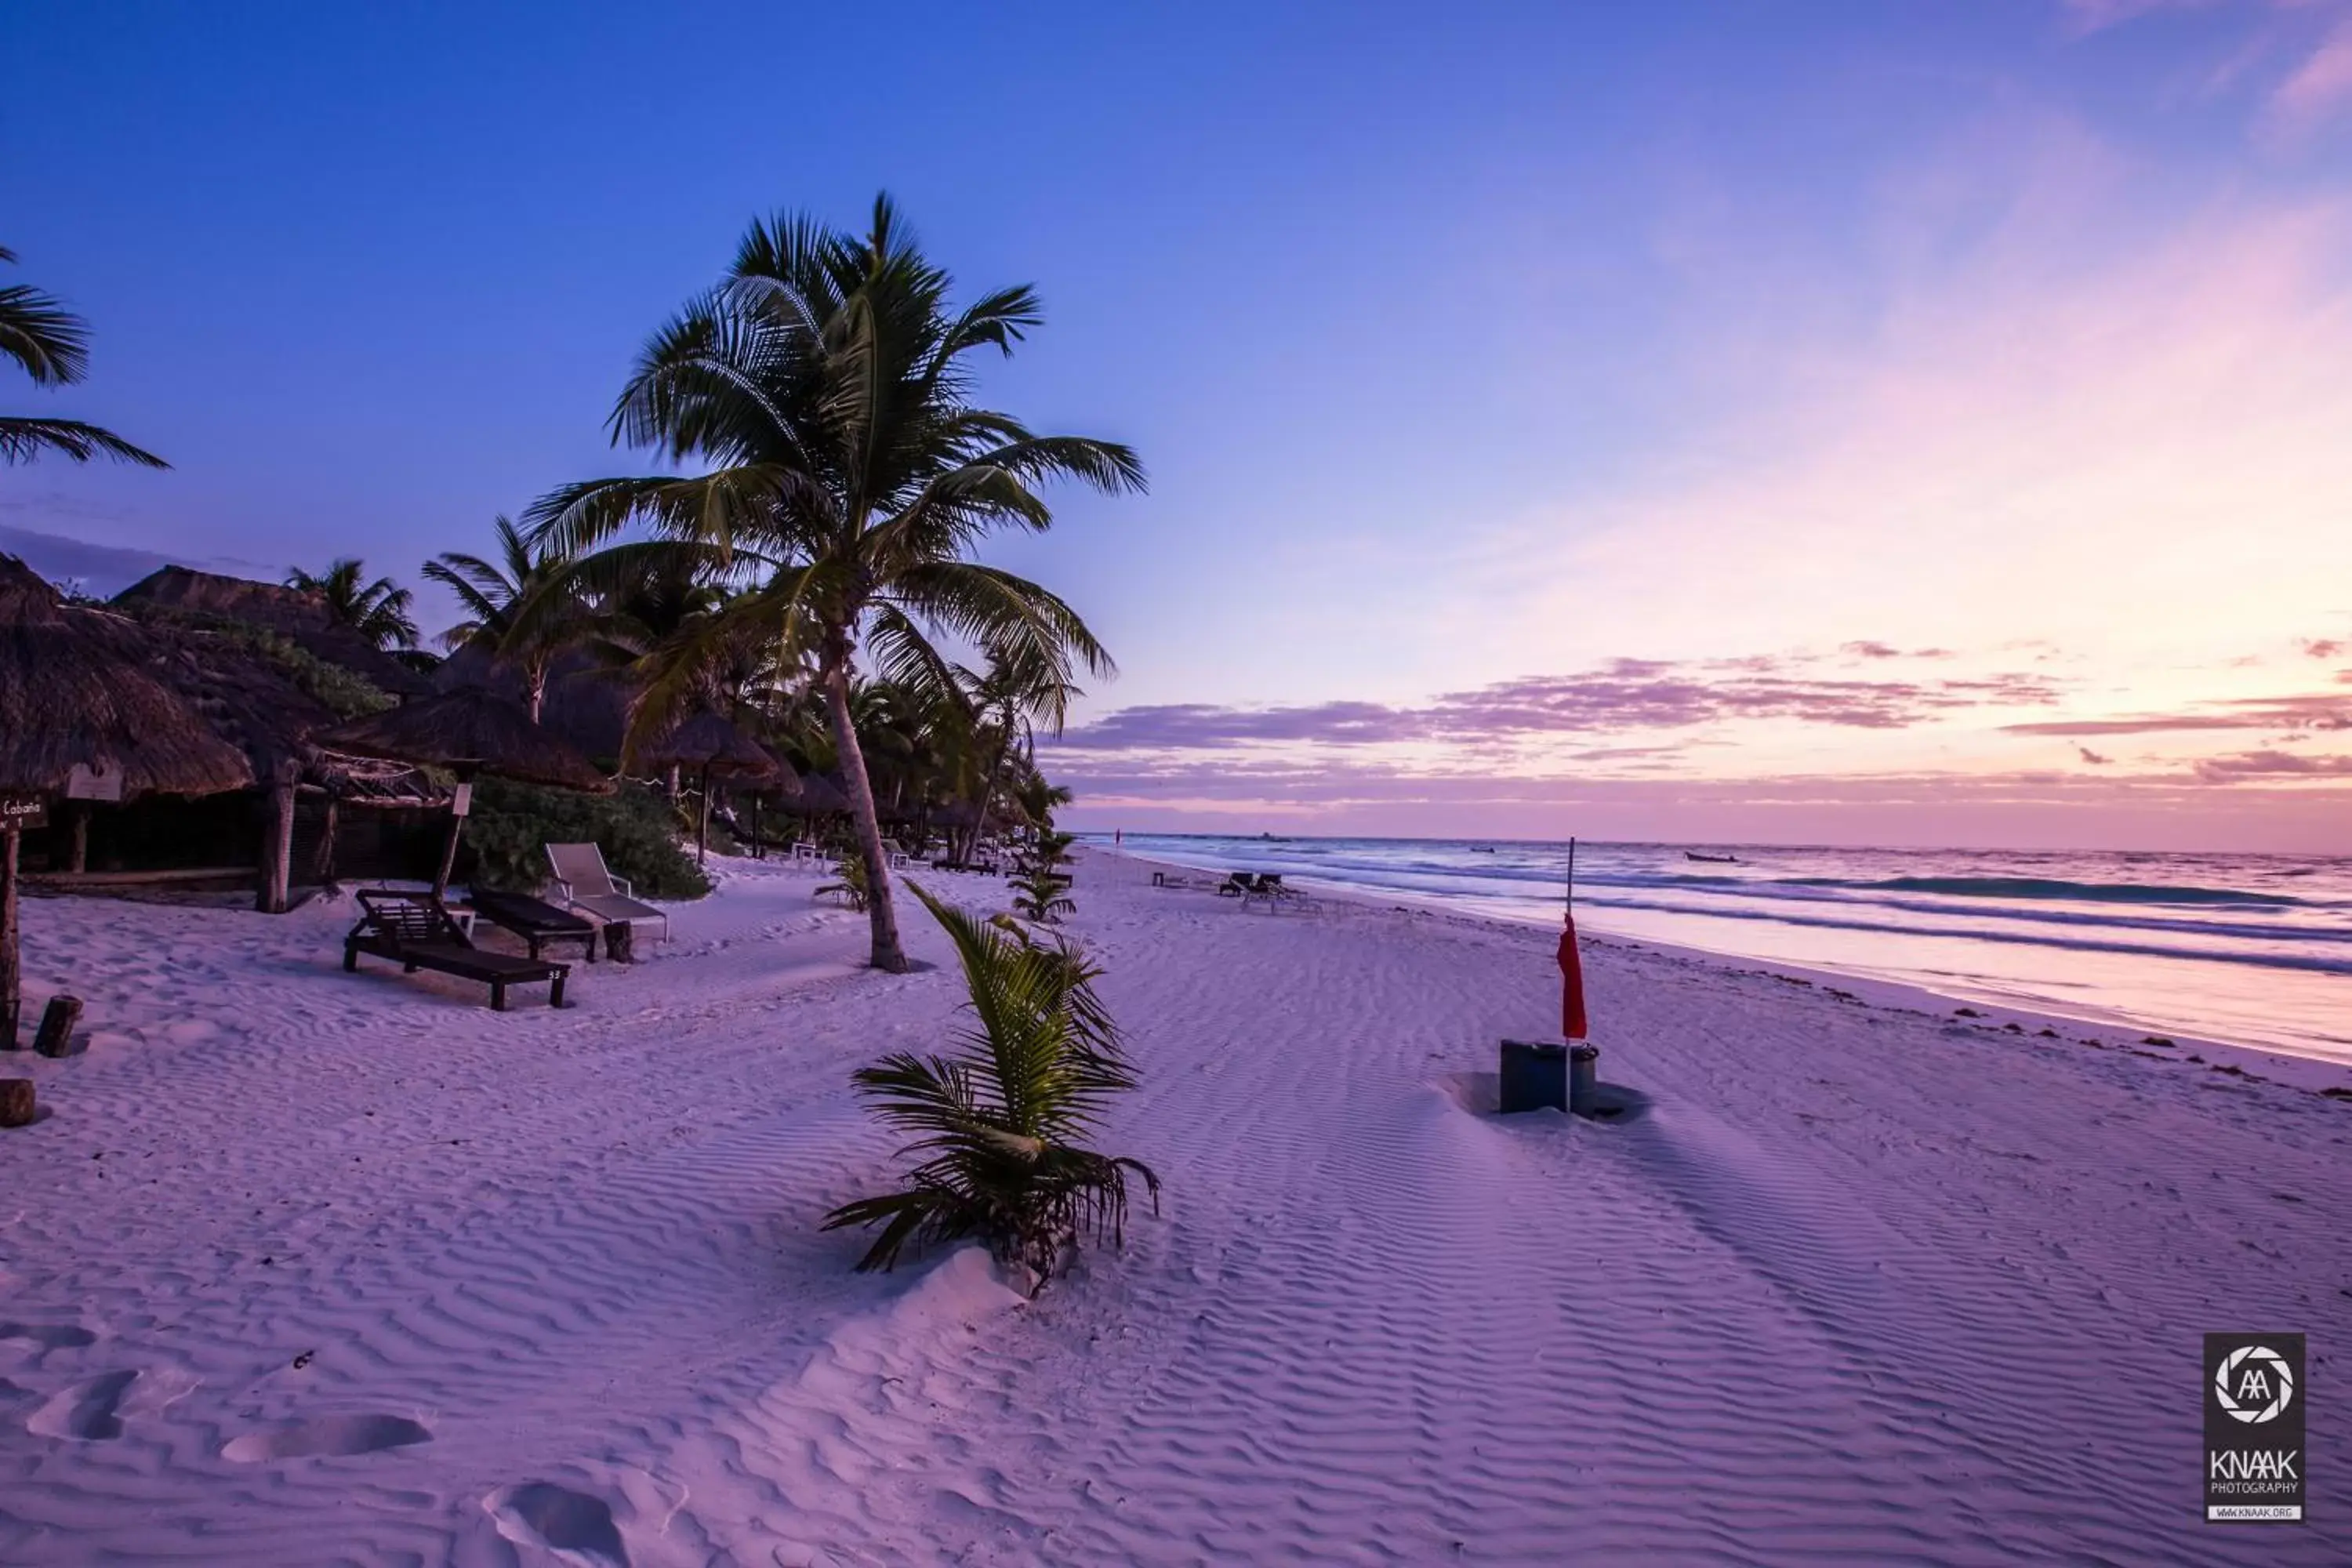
586	705
820	794
301	618
472	731
74	690
708	742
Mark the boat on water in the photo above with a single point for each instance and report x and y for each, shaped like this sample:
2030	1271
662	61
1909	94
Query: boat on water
1711	859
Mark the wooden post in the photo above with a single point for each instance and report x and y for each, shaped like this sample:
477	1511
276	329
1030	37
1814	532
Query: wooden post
326	867
759	845
55	1037
10	998
17	1103
277	841
78	860
702	823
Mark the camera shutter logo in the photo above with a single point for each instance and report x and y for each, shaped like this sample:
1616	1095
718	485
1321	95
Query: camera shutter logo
2254	1383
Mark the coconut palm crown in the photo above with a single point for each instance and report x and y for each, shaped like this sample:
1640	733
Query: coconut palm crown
378	610
524	607
826	390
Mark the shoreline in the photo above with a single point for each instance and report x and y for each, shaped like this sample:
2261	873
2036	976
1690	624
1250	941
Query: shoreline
2305	1070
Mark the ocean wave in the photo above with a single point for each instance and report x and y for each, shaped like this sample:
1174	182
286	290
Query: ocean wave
2040	888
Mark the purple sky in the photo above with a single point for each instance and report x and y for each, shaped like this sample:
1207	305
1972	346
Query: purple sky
1816	421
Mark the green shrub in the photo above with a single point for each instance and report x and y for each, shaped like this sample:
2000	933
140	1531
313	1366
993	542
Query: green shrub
513	823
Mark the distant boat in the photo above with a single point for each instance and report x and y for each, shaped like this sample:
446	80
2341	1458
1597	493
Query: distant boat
1711	859
1482	849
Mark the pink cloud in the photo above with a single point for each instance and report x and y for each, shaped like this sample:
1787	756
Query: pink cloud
2317	90
2317	712
1624	694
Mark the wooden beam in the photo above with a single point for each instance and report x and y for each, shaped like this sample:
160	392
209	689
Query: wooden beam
278	843
11	997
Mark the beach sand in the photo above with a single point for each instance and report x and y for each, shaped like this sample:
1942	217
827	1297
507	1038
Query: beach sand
307	1267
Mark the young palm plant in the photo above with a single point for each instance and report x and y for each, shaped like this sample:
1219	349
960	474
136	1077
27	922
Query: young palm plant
1000	1122
827	387
51	344
1038	886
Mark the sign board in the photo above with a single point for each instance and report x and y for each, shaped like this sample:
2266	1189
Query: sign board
22	811
462	802
91	784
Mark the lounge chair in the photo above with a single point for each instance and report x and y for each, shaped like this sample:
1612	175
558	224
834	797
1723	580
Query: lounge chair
535	920
1242	885
417	932
581	882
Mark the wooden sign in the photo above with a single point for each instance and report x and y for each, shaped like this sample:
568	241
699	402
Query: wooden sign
93	784
23	811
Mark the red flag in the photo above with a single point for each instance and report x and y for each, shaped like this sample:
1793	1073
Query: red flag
1572	983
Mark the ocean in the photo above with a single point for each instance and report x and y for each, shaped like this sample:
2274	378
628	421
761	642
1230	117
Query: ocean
2251	949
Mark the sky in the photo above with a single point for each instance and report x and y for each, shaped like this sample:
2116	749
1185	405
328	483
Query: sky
1738	422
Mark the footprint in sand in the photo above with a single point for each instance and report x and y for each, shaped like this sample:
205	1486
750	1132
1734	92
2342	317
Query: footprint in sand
574	1526
330	1437
88	1412
49	1336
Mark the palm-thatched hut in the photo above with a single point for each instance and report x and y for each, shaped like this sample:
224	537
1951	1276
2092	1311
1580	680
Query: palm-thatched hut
82	717
468	731
715	748
209	599
296	816
586	705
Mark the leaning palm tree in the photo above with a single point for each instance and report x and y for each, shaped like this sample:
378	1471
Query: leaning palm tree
525	609
377	611
1015	695
1001	1120
51	344
826	386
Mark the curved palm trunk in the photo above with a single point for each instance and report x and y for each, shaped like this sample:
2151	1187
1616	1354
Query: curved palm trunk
988	785
888	954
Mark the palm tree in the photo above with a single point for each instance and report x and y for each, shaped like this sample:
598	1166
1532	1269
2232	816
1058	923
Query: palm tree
1001	1120
377	611
1014	695
826	385
51	344
525	609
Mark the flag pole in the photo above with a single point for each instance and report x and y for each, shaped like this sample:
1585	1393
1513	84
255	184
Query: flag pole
1569	902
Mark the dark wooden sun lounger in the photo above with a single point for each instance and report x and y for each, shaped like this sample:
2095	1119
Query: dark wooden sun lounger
416	932
534	920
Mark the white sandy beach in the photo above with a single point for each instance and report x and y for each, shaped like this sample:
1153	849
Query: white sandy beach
305	1269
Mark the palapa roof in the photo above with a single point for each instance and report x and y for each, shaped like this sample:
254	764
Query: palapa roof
299	618
472	731
586	704
76	691
819	794
710	741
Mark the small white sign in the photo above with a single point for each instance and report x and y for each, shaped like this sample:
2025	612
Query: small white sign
462	802
89	784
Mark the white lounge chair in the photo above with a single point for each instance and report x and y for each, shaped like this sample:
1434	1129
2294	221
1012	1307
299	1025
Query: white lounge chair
582	883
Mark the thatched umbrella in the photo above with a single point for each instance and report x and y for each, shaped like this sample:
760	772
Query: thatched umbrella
468	731
821	794
718	749
75	696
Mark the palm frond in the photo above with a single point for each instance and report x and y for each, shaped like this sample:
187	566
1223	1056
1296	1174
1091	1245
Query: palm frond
23	439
